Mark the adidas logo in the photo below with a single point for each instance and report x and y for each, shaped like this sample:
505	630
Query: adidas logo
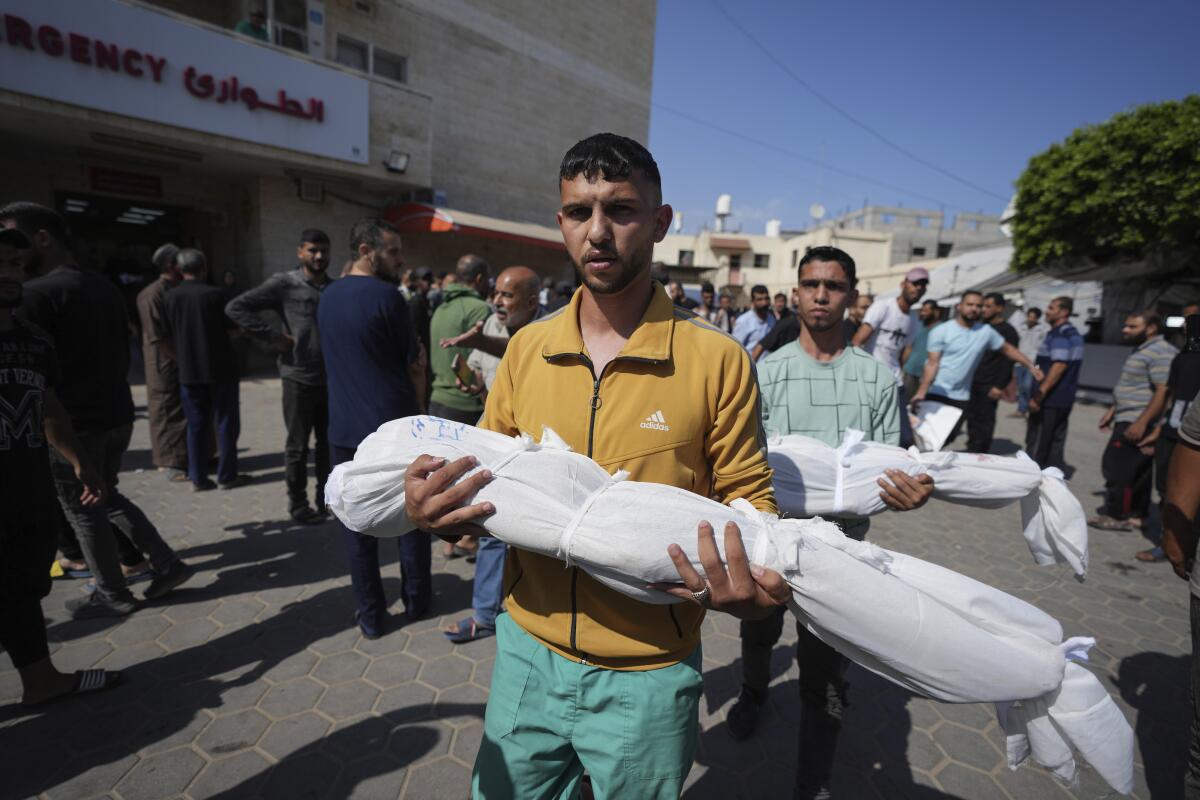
656	422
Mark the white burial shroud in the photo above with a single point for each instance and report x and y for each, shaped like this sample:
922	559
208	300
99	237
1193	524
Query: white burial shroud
926	628
813	479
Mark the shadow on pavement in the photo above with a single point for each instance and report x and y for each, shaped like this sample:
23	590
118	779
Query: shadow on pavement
78	746
1156	685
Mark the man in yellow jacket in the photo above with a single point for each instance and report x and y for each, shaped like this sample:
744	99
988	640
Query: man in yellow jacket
585	677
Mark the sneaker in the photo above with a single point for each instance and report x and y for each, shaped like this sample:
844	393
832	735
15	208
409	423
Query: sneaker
307	516
96	605
172	578
204	486
240	480
743	717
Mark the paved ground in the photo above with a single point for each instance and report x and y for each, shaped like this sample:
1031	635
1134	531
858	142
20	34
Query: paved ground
251	681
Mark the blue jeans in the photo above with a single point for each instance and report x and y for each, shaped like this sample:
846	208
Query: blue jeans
200	402
362	555
1024	388
489	581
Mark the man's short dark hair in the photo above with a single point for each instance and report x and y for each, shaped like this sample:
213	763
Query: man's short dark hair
612	157
314	236
369	231
470	267
191	261
996	298
759	289
1150	317
970	292
1037	312
933	303
164	257
707	287
779	295
826	253
1065	302
33	217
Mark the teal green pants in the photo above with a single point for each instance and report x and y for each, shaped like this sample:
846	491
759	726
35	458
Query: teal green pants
549	718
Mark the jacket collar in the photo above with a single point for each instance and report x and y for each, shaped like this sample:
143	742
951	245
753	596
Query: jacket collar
651	340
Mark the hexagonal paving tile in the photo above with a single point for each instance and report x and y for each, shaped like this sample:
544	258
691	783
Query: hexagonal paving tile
392	670
233	733
447	671
164	775
340	667
346	700
238	775
291	697
288	736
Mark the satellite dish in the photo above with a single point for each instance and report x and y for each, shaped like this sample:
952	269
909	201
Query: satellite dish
679	222
816	211
1006	217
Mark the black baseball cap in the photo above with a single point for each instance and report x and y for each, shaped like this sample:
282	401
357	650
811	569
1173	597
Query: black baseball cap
14	238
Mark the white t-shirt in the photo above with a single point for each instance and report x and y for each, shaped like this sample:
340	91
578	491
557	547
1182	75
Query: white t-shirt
891	331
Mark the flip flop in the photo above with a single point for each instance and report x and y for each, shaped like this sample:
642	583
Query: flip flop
86	680
1109	524
468	630
1151	556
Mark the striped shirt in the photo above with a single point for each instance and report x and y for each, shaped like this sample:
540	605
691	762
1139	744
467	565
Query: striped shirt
1063	343
1149	365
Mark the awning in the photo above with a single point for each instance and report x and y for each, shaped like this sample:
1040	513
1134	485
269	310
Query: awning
423	218
727	243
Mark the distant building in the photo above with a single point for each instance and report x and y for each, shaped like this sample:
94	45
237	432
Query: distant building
921	233
146	122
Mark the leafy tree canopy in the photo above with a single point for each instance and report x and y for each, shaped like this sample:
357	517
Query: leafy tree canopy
1123	190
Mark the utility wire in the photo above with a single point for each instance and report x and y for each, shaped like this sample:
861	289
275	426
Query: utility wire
846	114
801	157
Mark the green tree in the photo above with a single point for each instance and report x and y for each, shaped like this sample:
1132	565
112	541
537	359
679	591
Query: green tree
1124	190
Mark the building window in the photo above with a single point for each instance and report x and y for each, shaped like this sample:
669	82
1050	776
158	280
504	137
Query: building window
389	65
887	219
686	257
353	53
944	249
735	261
289	24
762	260
972	224
918	252
795	258
923	222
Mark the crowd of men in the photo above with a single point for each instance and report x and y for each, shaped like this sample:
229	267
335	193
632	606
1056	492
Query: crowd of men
588	685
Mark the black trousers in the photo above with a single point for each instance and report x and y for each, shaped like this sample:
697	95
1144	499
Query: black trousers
949	401
1046	436
822	694
453	414
1128	473
23	629
305	413
1191	780
981	420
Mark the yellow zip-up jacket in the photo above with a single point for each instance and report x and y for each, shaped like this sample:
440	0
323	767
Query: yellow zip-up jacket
679	405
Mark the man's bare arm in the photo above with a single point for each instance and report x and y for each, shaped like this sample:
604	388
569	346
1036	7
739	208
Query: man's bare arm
1016	355
61	436
862	334
932	360
1180	505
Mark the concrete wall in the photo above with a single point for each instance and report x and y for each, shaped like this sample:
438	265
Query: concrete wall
918	228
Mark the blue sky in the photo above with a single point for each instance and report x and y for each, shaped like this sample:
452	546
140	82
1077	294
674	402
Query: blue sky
975	88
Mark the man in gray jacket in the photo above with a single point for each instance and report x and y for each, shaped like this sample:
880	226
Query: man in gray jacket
294	296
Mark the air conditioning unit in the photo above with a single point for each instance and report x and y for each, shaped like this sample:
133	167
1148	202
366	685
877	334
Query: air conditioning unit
312	191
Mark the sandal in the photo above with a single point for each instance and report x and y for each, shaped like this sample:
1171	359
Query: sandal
86	680
1106	523
1151	556
468	630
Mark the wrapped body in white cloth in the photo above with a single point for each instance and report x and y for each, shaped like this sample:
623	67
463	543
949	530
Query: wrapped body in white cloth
924	627
813	479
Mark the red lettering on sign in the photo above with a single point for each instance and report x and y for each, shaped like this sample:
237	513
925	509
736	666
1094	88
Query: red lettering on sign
50	40
156	66
130	61
107	55
18	31
80	52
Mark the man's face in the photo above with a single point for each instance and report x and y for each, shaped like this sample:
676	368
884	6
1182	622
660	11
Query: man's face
859	309
1055	313
1190	309
675	289
35	260
913	290
388	259
12	275
1134	331
760	302
515	302
925	313
780	303
258	19
825	294
1031	319
970	308
725	302
707	299
314	257
992	311
610	227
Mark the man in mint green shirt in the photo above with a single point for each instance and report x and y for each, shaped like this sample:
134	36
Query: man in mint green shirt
462	306
819	386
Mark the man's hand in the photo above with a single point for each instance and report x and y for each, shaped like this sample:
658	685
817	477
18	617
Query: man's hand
1135	432
917	399
904	492
744	591
284	343
471	338
476	386
1106	420
94	490
1037	373
995	394
435	503
1035	405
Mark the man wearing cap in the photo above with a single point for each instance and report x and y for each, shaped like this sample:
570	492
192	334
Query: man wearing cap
164	408
887	332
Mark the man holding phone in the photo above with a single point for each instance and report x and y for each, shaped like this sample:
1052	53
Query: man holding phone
462	307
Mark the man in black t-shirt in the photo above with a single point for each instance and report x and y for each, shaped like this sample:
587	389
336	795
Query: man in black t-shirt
30	417
198	330
991	378
84	315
